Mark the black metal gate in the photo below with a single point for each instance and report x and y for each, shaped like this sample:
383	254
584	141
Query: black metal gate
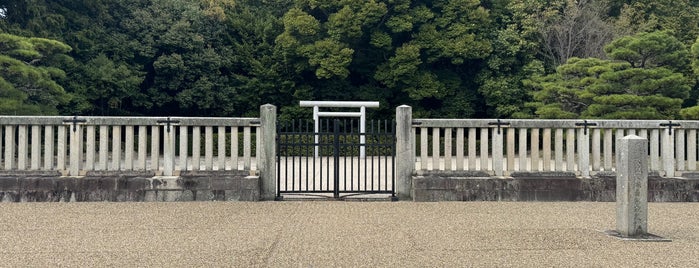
338	159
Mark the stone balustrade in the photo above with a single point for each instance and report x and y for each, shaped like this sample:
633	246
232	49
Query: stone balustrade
189	158
164	146
585	147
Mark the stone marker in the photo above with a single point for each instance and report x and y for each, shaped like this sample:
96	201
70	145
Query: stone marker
632	186
405	152
267	154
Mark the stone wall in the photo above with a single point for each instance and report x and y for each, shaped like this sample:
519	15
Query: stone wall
543	186
129	186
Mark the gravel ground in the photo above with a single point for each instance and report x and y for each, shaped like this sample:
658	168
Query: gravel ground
339	234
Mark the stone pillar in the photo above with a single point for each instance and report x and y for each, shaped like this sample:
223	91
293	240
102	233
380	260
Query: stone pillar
584	152
75	150
668	153
497	151
267	152
405	152
632	186
168	151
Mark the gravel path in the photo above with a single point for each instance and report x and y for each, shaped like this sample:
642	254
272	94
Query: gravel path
339	234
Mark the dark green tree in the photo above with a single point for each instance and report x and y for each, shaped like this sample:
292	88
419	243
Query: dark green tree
28	75
644	80
424	53
515	36
676	16
693	111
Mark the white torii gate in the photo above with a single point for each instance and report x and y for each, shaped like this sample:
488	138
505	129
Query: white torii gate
362	105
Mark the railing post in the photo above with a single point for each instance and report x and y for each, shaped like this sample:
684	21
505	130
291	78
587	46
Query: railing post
22	146
668	153
36	147
266	166
523	150
405	152
184	152
435	148
169	151
679	150
48	147
60	149
168	146
208	148
558	145
116	147
497	152
128	148
155	149
584	152
75	150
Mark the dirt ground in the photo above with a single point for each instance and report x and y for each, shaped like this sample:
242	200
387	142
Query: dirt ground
340	234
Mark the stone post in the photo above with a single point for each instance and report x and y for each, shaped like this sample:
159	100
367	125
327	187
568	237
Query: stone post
168	151
497	151
267	152
584	152
632	186
75	150
668	153
405	152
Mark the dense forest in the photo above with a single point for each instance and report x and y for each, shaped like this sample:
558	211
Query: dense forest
446	58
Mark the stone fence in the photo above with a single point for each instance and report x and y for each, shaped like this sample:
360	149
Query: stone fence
133	158
187	158
514	159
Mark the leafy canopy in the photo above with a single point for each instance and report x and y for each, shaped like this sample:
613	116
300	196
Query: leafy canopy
28	75
643	80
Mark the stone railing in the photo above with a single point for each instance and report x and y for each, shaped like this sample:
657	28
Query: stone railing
541	160
164	146
502	147
87	158
585	147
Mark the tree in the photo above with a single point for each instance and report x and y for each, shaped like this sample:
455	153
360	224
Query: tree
127	53
651	50
643	80
106	87
692	112
676	16
516	45
183	54
695	57
575	28
424	53
28	75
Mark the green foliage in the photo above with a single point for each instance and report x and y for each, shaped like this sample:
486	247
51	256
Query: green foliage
648	50
513	59
691	113
163	57
643	81
695	57
410	52
29	74
297	22
329	57
446	58
109	86
676	16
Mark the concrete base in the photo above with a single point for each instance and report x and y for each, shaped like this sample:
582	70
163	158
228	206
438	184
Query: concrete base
639	238
544	186
134	186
